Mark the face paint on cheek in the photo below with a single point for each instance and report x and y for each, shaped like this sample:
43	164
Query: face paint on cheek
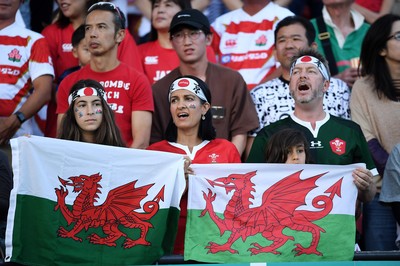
192	106
98	112
76	110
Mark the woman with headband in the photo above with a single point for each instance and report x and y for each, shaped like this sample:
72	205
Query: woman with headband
190	132
89	118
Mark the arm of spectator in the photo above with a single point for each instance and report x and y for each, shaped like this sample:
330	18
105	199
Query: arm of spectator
240	142
349	75
141	127
379	155
40	96
200	4
363	180
144	7
371	16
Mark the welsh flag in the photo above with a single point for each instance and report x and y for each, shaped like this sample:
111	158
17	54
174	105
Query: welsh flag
270	213
86	204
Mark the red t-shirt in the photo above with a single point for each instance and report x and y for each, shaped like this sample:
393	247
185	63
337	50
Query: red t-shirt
60	46
59	40
127	90
215	151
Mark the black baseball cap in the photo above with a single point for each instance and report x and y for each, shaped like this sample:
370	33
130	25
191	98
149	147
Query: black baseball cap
190	17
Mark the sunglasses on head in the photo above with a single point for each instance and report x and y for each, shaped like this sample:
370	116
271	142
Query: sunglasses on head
107	6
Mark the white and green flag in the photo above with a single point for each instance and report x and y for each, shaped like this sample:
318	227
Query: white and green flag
270	213
79	203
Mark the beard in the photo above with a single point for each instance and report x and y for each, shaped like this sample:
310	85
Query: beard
307	98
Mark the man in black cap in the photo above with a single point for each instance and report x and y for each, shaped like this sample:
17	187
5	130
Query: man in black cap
233	111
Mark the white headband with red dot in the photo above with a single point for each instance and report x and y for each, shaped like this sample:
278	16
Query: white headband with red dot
187	84
86	91
307	59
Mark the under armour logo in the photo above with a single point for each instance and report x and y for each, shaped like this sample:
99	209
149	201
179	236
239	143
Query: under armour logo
315	143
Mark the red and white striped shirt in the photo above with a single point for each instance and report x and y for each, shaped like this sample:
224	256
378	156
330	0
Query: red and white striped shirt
246	43
24	56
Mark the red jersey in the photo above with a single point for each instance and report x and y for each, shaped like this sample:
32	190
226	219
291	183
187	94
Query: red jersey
127	90
158	61
60	46
214	151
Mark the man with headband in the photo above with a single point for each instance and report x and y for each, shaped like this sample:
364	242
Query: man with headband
332	140
272	98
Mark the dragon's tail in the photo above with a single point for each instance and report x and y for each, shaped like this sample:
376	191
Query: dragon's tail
322	202
150	208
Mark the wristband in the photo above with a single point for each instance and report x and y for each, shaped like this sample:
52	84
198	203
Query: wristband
20	116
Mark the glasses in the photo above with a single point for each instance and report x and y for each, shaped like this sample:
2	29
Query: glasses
395	36
180	36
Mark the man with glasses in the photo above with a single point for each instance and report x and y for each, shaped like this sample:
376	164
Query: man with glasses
233	111
128	91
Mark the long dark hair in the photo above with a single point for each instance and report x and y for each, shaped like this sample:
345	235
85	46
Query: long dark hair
280	143
371	62
206	129
184	4
108	132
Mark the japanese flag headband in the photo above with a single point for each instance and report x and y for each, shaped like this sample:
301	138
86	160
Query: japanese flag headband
187	84
311	60
86	91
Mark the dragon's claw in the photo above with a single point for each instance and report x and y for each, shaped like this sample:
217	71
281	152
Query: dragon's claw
258	249
215	248
64	233
256	245
300	250
131	243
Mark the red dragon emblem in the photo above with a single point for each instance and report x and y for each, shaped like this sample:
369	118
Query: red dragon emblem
278	210
118	209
